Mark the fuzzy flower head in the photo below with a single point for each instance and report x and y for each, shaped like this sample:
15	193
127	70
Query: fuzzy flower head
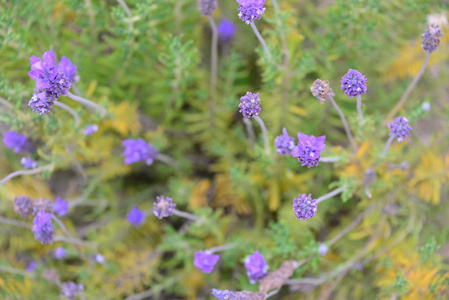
43	227
41	103
163	207
60	253
308	149
431	38
205	261
91	129
304	206
250	105
68	68
28	163
69	290
321	90
226	31
251	10
14	140
61	207
256	266
400	128
42	204
23	205
207	7
284	143
323	249
136	217
353	83
99	258
32	265
138	150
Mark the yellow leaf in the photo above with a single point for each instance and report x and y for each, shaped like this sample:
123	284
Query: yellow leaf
274	192
91	89
297	110
125	118
199	194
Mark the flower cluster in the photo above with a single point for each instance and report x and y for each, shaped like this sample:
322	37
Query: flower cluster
226	31
304	206
284	143
69	290
321	90
207	7
52	81
23	206
43	227
400	128
256	266
205	261
136	217
251	10
91	129
61	207
308	149
138	150
14	140
163	207
353	83
431	38
250	105
60	253
28	163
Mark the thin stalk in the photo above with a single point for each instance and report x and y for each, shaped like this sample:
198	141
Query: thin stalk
69	110
387	146
88	103
329	159
214	57
185	215
13	222
221	248
26	172
62	226
407	92
331	194
16	271
5	103
167	160
73	241
261	40
264	132
250	131
359	108
345	124
125	8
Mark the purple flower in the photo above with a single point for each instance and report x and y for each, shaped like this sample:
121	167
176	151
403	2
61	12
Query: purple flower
308	149
232	295
43	227
61	207
69	69
321	90
250	105
13	139
284	143
28	163
23	205
431	38
256	266
164	207
400	128
136	217
31	266
226	30
91	129
99	258
40	103
205	261
59	253
223	294
323	249
304	207
353	83
251	10
207	7
42	204
69	290
138	150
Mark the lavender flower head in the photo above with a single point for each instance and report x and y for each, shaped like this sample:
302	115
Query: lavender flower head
12	139
323	249
42	204
304	207
207	7
250	105
256	266
23	205
31	266
321	90
28	163
91	129
400	128
232	295
40	103
99	258
61	207
69	69
308	149
136	217
138	150
284	143
205	261
60	253
43	227
353	83
226	30
431	38
164	207
251	10
69	290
